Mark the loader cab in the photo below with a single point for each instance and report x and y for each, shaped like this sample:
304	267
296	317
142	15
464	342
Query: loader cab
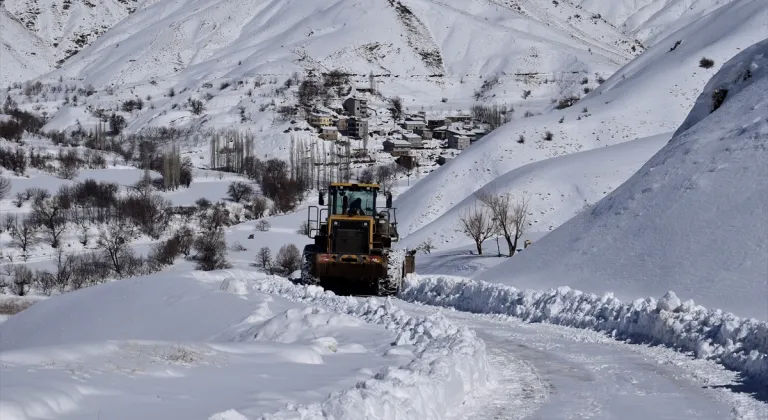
352	200
349	220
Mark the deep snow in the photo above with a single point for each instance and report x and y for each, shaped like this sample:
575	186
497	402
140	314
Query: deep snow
649	96
692	219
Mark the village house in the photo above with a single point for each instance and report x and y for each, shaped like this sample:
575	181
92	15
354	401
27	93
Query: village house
425	133
329	133
456	131
413	138
341	124
442	160
407	161
410	124
319	119
434	123
357	128
462	118
356	107
397	147
459	142
439	133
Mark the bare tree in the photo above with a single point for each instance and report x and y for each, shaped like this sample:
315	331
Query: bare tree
64	272
508	215
288	259
24	235
5	187
259	206
113	241
239	191
22	280
396	107
211	251
49	214
264	260
477	223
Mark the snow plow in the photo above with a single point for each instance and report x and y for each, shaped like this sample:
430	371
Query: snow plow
352	252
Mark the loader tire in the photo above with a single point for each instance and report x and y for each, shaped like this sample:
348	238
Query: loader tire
393	282
306	266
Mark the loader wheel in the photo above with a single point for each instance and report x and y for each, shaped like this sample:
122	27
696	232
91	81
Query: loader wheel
306	266
393	282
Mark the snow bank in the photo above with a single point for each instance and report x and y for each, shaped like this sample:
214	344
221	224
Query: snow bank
450	362
739	344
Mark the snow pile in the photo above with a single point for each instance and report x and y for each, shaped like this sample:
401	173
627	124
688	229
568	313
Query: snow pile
450	362
692	220
737	343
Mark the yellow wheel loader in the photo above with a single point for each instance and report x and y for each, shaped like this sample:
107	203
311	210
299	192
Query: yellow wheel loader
352	252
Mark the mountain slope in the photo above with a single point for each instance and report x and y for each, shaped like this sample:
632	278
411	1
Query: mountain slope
692	220
556	187
649	96
207	39
651	20
66	26
23	55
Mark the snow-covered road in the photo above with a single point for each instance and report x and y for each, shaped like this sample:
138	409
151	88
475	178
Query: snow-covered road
545	371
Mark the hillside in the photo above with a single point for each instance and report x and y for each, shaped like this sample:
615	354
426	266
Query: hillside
557	188
64	26
649	96
23	55
691	220
651	20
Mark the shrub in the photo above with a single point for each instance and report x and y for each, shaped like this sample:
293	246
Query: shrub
288	259
567	102
263	226
521	139
259	207
706	63
211	251
239	191
548	135
203	203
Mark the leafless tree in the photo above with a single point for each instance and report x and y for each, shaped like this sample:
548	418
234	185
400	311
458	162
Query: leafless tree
259	207
186	239
64	272
478	224
366	176
264	260
211	251
396	107
5	187
263	226
239	191
113	241
508	215
22	280
24	235
49	215
288	259
45	281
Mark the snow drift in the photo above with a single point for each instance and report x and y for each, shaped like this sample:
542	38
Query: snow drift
450	363
739	344
692	220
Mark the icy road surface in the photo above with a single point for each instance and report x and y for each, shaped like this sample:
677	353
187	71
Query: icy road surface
550	372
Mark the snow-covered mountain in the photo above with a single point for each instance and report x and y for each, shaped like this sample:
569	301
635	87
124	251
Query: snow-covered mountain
210	39
651	20
649	96
64	26
23	55
692	220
